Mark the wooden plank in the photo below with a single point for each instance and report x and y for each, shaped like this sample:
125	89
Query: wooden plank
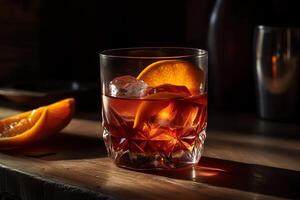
73	165
260	150
103	176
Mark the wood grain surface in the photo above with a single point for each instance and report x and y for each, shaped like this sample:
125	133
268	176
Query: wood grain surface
74	165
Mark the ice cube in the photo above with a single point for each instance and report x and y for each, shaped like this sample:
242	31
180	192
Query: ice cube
127	86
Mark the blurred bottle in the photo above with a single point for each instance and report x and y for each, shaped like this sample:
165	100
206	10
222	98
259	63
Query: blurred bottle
230	54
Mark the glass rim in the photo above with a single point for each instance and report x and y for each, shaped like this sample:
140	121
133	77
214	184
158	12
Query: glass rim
274	28
196	53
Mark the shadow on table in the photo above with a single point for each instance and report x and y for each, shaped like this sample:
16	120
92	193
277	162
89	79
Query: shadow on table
241	176
65	146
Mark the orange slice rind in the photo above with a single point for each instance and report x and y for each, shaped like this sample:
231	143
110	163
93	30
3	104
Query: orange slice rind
35	125
175	72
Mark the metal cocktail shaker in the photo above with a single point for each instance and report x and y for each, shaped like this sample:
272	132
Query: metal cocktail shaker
277	57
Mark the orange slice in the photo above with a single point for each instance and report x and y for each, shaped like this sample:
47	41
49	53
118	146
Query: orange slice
156	102
35	125
175	72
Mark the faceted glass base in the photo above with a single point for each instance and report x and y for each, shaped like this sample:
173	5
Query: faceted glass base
155	160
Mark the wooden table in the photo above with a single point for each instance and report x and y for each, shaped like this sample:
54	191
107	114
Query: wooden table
244	158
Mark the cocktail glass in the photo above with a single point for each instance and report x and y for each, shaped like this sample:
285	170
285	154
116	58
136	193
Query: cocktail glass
154	106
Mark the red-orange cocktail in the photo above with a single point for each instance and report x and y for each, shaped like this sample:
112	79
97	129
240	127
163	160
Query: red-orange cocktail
156	119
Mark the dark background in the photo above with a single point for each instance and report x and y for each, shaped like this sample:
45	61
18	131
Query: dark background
61	39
